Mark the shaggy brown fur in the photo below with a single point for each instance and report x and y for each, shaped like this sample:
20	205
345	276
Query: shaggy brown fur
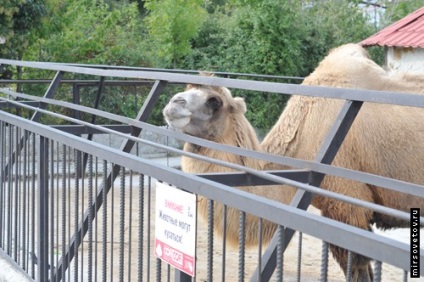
384	139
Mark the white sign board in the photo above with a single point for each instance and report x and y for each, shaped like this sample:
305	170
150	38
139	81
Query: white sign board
175	227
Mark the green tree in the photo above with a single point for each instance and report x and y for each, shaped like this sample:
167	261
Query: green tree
396	10
172	24
331	23
19	20
91	33
274	37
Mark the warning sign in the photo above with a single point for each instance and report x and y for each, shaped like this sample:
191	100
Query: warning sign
175	227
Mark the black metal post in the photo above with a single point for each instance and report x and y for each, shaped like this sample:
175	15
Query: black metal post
43	215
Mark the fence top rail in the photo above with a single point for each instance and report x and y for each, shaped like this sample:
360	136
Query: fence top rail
372	245
372	96
396	185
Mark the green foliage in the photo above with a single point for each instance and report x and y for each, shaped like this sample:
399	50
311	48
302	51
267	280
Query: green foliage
331	23
274	37
18	19
171	25
243	36
92	34
396	10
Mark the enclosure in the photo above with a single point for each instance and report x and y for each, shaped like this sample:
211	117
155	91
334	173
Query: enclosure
77	194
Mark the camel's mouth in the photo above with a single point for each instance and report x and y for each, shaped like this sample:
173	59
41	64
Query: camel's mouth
178	122
176	115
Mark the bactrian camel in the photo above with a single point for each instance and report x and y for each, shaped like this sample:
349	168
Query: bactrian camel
386	140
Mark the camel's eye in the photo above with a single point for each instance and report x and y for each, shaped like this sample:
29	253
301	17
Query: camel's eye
214	103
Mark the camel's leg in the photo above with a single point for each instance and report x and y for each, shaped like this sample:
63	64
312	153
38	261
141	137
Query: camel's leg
353	215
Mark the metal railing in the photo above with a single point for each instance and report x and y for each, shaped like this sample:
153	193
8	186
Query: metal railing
74	209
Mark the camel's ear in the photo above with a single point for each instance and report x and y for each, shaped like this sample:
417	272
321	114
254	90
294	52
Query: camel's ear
201	73
238	105
206	73
190	86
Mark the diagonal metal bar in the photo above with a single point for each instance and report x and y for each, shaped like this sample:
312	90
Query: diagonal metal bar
36	117
302	199
126	146
49	93
94	117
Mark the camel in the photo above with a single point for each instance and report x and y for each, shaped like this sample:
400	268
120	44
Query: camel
385	140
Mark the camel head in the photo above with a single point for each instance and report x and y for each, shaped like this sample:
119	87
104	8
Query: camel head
204	111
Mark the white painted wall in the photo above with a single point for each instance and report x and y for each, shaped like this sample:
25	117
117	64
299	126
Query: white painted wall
405	59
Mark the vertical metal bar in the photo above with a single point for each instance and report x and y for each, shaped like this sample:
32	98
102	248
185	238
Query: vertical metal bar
69	160
158	270
349	267
77	158
112	218
130	225
97	224
9	197
2	178
280	253
210	240
299	257
104	232
377	271
140	227
168	273
15	196
90	219
82	176
149	208
24	204
63	196
324	262
52	211
259	248
224	242
43	216
242	238
58	198
122	226
32	209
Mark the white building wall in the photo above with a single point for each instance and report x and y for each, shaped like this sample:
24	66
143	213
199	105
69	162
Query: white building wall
405	59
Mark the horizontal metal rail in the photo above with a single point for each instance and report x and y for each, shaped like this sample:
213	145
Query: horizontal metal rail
372	96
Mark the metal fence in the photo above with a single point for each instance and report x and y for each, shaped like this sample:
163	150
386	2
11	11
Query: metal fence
75	209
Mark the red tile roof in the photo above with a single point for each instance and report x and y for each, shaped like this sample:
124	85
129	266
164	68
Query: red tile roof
407	32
